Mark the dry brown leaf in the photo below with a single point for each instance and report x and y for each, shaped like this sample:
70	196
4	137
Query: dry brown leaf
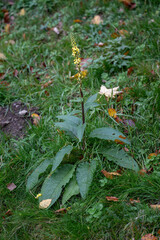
36	118
97	20
142	172
156	206
123	32
114	199
77	21
46	84
7	28
22	12
114	35
112	112
109	174
2	57
134	201
45	203
149	237
151	155
62	210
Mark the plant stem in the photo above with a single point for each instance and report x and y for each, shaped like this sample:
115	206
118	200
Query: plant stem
82	104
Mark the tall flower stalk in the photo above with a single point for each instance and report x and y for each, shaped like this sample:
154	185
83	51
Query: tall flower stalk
77	61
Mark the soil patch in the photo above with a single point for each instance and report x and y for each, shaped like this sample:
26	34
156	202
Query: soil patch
15	118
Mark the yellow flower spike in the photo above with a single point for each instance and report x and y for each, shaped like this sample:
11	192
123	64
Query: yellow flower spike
38	195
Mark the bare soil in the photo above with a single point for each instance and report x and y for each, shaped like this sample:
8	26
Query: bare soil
15	118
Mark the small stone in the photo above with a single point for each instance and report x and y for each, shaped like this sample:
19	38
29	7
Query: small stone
23	112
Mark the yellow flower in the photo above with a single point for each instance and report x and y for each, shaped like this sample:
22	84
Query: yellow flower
77	60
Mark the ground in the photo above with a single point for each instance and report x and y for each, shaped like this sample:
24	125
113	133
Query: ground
118	44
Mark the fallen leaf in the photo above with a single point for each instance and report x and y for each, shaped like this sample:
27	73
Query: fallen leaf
45	203
24	36
46	84
112	112
36	118
9	213
5	83
12	42
6	17
62	210
2	57
112	92
156	206
151	155
114	35
158	232
56	30
99	32
129	71
7	28
114	199
128	3
22	12
46	93
38	195
77	21
117	119
134	201
123	32
15	73
126	53
11	186
109	174
2	75
149	237
97	20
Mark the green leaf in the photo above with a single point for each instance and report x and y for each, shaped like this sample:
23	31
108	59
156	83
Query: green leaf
60	155
73	129
33	178
90	103
80	131
108	134
71	190
71	119
84	175
66	126
52	186
121	158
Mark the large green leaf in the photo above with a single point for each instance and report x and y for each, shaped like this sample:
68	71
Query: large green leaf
71	119
73	129
71	189
121	158
33	178
67	126
60	155
108	134
84	175
90	103
52	186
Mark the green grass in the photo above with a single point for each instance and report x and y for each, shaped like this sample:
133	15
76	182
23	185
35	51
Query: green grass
42	55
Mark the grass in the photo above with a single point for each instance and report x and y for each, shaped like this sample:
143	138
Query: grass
40	55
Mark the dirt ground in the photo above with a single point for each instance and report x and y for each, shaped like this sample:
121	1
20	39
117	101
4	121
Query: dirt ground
15	118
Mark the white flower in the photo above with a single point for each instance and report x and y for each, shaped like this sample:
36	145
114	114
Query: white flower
111	92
